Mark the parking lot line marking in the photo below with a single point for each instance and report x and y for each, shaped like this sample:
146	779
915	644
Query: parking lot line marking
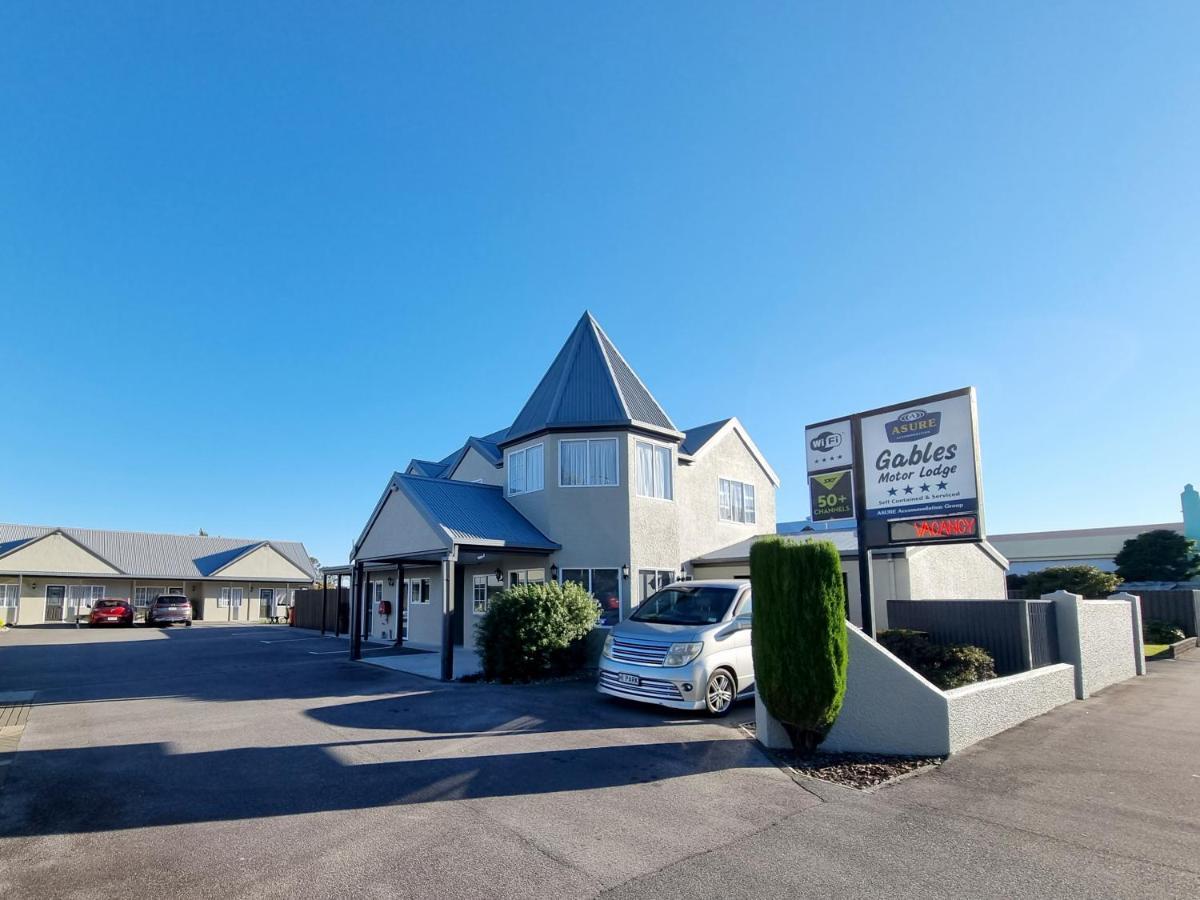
289	640
327	652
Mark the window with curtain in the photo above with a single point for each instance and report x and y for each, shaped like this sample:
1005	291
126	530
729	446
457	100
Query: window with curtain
588	463
736	502
8	596
654	471
526	469
484	588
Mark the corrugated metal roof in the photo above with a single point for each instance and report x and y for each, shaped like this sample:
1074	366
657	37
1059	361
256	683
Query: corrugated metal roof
589	384
140	554
695	438
472	513
427	468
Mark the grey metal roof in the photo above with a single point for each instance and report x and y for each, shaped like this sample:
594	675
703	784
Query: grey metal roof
140	554
472	513
589	384
695	438
426	467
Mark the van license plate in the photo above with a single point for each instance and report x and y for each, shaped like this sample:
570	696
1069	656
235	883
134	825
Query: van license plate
626	678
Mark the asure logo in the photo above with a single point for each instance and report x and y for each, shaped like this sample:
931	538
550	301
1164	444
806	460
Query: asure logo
825	441
913	425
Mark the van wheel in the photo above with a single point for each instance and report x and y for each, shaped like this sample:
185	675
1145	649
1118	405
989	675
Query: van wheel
719	693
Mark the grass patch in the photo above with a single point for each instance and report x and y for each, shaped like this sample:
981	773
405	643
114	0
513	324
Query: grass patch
1155	649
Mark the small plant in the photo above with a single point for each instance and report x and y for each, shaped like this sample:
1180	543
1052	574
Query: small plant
1155	632
535	631
799	635
944	665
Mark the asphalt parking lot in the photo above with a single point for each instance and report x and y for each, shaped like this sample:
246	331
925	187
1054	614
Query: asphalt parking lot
256	761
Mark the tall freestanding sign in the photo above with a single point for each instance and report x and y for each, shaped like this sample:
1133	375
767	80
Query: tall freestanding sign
908	474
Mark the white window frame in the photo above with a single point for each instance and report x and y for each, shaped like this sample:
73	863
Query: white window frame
225	598
668	485
9	596
637	600
588	482
149	592
729	512
515	458
591	570
421	598
481	600
522	576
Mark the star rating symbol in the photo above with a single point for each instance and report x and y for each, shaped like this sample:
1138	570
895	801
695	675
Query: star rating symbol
924	487
908	490
891	492
941	486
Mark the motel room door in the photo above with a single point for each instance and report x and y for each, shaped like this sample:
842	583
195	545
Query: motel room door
56	598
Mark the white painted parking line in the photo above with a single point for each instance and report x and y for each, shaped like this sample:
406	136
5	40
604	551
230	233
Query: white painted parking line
327	652
289	640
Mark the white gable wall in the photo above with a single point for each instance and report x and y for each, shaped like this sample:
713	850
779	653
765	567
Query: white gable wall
55	553
399	528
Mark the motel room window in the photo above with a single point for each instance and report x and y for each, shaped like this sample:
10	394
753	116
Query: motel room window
143	596
483	589
416	590
230	596
526	470
8	596
526	576
736	503
587	463
604	585
654	471
652	580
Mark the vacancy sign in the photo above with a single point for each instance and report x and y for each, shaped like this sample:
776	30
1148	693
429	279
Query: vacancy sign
920	459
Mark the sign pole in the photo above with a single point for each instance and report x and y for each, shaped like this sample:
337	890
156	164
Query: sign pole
866	585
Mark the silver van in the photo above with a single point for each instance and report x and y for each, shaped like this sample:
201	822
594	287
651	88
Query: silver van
686	647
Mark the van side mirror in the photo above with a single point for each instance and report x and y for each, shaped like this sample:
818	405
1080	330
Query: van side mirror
743	622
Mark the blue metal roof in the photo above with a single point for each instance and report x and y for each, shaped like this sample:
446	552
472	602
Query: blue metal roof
589	384
472	513
695	438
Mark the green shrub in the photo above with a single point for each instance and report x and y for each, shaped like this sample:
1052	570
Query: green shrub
1087	581
945	665
1155	632
535	631
799	635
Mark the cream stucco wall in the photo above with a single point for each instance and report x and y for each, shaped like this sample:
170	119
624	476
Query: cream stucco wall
265	562
473	467
55	553
399	528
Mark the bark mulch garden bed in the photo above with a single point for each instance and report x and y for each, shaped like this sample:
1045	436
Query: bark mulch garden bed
864	771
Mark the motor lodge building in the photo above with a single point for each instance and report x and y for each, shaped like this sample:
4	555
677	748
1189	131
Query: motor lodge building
592	482
50	574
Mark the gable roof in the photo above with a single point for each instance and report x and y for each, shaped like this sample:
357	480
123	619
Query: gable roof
464	512
589	385
696	441
486	446
143	555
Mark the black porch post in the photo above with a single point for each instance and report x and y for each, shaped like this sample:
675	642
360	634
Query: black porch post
448	565
337	607
324	600
358	591
399	604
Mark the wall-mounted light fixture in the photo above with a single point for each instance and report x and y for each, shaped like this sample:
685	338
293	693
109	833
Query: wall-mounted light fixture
625	570
391	581
499	574
554	571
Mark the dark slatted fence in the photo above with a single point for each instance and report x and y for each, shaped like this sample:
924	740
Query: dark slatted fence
995	625
337	611
1180	608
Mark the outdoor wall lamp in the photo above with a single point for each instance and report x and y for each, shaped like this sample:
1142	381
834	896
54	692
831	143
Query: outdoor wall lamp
391	580
554	571
625	570
499	574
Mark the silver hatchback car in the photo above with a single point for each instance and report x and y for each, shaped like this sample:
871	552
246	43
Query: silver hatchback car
686	647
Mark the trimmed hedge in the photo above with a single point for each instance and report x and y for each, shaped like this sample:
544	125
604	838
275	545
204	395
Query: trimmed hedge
799	635
1155	632
945	665
535	631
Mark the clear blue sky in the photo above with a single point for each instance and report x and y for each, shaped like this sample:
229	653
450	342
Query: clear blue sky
255	256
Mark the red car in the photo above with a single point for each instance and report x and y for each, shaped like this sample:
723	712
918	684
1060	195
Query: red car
111	612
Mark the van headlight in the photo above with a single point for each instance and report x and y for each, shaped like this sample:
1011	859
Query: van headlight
682	654
607	651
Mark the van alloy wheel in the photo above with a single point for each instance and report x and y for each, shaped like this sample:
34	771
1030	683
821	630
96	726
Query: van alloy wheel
719	693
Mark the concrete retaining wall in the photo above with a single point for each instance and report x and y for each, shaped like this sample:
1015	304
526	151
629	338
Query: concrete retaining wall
1102	639
978	711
